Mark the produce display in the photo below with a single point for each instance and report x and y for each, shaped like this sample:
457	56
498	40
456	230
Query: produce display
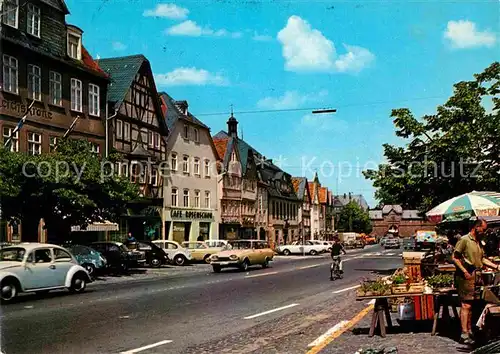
440	281
377	287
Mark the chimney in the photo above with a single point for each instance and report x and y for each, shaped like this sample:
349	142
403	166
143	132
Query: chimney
345	196
182	106
232	126
350	197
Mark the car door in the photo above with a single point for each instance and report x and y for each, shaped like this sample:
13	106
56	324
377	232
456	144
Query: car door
62	264
39	270
171	249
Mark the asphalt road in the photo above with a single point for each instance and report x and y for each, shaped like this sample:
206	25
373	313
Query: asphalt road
189	312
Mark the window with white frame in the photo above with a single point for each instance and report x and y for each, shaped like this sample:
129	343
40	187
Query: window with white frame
196	135
124	170
34	20
153	177
207	168
55	88
233	156
10	13
34	143
126	131
34	82
175	197
186	198
186	132
76	95
196	199
10	74
185	164
119	129
94	105
14	141
197	166
74	46
156	137
52	143
207	199
173	162
95	148
150	139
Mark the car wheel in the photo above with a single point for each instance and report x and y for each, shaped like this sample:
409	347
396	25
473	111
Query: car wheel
155	262
78	283
266	263
244	266
286	252
313	253
179	260
89	267
216	268
206	259
8	290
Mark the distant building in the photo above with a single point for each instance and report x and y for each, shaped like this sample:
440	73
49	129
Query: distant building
340	201
394	217
300	185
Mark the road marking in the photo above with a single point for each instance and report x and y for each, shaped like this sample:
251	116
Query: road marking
389	254
328	333
330	338
124	317
346	289
270	311
261	275
154	345
371	302
310	266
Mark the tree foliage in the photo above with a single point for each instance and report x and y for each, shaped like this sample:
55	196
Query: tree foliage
454	151
353	218
69	187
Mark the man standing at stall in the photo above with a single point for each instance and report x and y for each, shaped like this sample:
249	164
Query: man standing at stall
469	258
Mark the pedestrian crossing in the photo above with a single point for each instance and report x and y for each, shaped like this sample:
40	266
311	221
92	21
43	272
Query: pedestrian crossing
383	254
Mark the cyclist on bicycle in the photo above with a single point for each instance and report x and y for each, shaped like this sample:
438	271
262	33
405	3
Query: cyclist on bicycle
337	248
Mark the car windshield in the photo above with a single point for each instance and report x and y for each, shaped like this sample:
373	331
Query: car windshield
241	245
12	254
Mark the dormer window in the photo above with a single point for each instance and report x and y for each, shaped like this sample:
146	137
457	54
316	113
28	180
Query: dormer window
74	42
34	20
10	13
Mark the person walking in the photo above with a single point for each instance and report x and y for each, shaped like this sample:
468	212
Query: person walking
469	258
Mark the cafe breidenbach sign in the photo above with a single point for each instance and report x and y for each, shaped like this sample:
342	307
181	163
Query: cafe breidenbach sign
191	215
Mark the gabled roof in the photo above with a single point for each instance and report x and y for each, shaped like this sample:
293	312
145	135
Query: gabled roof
343	200
57	4
244	149
310	186
172	113
89	62
221	147
323	195
376	215
388	208
123	71
301	187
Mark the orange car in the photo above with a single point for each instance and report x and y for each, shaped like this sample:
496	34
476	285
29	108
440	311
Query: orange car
370	240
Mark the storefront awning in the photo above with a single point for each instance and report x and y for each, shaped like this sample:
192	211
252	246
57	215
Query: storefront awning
104	226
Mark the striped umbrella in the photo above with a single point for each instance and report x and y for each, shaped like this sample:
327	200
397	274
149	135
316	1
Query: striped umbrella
467	205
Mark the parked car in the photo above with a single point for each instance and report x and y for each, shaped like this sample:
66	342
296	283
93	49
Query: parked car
409	243
309	247
200	251
154	255
218	243
39	267
321	244
370	240
382	240
392	242
118	255
177	254
243	254
88	258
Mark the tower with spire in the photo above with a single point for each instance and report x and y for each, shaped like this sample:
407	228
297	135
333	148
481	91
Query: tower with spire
232	125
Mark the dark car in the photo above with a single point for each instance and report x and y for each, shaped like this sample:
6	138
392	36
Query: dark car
88	258
154	255
118	255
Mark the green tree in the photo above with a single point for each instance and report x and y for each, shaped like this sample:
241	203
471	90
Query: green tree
454	151
353	218
71	187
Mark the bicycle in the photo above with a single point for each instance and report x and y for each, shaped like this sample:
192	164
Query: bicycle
335	271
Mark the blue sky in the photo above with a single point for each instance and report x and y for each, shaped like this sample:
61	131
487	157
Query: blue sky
363	58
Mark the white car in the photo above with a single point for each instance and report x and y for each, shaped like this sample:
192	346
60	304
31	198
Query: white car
322	244
296	247
39	267
178	254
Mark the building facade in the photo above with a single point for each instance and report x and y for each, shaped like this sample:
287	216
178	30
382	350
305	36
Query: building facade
394	217
48	76
139	132
300	186
190	207
322	211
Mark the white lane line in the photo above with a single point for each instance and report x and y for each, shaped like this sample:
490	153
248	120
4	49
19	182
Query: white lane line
154	345
371	302
389	254
328	333
261	275
346	289
310	266
270	311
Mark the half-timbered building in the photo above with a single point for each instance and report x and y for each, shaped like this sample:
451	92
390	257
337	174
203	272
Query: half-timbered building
138	131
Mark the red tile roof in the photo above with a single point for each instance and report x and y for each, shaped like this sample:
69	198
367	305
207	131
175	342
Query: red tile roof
163	106
310	186
323	194
221	147
296	184
89	62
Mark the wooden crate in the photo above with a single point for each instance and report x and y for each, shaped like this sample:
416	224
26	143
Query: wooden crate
408	289
414	272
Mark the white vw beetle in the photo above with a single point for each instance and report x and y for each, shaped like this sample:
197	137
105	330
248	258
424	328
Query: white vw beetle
39	267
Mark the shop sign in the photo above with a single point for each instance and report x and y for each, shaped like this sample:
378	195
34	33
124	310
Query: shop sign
21	108
188	214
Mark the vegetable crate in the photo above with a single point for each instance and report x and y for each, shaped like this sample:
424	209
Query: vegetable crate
424	307
408	289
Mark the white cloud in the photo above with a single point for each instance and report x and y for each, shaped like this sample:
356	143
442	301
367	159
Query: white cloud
323	122
190	76
290	100
307	49
261	37
170	11
118	46
464	34
192	29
